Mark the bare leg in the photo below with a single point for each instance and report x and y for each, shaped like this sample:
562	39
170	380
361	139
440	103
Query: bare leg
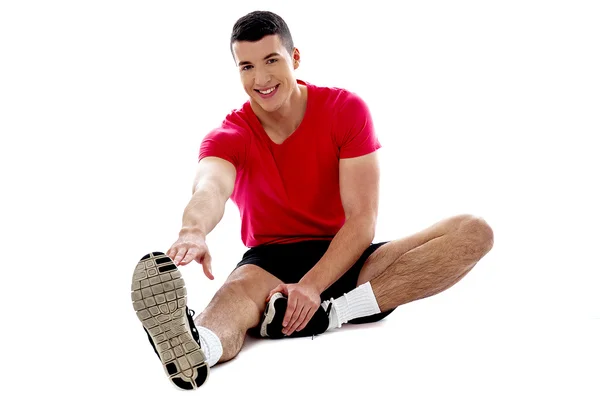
428	262
237	307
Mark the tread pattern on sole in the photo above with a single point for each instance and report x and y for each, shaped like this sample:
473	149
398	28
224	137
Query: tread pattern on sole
159	295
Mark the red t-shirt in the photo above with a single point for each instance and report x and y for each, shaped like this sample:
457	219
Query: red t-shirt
290	192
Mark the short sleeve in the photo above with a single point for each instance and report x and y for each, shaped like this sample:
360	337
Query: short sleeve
225	143
355	133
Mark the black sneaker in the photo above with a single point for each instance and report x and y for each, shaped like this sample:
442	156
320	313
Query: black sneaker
271	322
159	299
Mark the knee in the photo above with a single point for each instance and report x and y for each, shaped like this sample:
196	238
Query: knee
241	292
478	232
234	289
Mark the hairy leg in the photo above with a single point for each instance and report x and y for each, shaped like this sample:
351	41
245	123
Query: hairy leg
237	307
428	262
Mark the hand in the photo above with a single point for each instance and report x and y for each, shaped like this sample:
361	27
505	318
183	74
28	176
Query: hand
303	302
191	247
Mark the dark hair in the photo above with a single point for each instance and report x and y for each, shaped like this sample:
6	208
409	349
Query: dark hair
254	26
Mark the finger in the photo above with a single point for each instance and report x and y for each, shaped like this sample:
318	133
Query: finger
299	320
207	266
309	316
171	252
291	308
283	288
179	256
288	328
279	288
189	256
273	291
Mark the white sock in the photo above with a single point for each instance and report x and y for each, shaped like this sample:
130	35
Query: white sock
359	302
211	345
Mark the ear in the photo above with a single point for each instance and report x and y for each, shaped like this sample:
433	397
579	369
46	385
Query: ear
296	58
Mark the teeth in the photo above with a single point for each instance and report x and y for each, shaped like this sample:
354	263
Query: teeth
268	91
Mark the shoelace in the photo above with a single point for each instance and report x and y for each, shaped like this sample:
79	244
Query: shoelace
195	334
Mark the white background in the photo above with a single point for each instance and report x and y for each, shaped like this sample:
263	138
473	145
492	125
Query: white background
489	108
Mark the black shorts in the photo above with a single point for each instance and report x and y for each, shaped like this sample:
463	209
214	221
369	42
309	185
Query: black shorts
290	262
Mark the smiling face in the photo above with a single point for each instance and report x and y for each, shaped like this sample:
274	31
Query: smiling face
267	71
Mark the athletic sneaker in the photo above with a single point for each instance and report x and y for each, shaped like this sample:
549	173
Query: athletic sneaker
159	299
271	322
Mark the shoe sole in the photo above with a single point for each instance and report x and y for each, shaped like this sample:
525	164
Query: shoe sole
273	310
159	299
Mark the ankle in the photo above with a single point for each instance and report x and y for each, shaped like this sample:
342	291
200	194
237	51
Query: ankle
211	345
359	302
332	314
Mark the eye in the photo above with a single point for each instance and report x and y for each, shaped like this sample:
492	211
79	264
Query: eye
271	59
246	67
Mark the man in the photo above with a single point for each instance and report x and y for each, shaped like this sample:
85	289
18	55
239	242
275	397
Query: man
300	163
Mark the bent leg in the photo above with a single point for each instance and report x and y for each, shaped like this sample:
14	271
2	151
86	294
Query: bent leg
237	307
426	263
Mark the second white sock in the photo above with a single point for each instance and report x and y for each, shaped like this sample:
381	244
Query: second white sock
359	302
211	345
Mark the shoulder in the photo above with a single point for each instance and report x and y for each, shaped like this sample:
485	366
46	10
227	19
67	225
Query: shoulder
230	140
339	99
235	126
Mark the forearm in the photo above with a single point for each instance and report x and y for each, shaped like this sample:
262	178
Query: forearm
204	211
345	249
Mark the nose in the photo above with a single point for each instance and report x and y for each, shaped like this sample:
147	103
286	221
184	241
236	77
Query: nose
261	77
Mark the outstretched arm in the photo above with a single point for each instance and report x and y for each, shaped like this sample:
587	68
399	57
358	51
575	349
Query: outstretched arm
213	185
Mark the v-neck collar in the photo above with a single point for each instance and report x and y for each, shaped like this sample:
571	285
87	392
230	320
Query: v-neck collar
303	122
